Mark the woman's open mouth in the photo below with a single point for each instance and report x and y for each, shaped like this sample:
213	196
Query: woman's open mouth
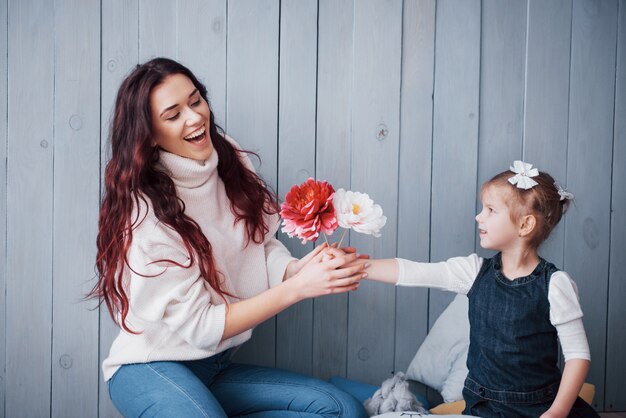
197	137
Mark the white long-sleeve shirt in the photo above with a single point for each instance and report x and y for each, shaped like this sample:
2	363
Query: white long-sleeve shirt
179	316
458	274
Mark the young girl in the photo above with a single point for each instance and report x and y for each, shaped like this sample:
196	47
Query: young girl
519	303
188	265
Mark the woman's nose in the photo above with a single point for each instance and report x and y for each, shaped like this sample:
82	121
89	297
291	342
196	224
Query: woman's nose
193	117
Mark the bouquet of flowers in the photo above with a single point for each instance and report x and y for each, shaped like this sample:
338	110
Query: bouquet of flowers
314	207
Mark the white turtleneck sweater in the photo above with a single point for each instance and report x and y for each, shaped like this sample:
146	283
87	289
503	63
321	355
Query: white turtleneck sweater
179	316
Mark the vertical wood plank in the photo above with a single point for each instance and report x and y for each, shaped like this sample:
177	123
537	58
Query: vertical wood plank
418	59
29	208
76	195
501	122
120	54
502	62
296	159
252	115
590	140
201	37
375	143
157	29
616	338
455	136
4	23
334	131
547	100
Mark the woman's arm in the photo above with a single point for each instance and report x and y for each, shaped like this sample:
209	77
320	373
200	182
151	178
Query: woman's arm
572	380
318	277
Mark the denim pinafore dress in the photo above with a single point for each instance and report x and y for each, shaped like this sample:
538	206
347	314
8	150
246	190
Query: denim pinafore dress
513	352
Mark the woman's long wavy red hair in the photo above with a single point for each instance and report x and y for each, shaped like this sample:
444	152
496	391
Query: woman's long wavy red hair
131	175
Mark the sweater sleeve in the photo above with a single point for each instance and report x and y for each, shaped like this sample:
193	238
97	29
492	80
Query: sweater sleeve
277	257
455	275
172	292
566	316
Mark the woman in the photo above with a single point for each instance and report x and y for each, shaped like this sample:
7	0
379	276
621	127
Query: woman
188	264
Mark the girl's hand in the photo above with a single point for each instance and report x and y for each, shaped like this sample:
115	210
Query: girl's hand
552	414
321	276
350	250
332	252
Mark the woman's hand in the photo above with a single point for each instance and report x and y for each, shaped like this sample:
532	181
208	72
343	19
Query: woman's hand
295	266
315	277
324	273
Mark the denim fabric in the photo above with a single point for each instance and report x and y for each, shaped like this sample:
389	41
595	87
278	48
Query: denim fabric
214	387
481	407
513	352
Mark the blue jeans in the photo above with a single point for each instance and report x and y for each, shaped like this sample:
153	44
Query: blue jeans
214	387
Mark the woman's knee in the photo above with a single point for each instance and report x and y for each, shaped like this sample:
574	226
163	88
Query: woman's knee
162	389
338	403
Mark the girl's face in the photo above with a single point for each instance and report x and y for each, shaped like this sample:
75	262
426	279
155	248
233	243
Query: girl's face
497	231
180	118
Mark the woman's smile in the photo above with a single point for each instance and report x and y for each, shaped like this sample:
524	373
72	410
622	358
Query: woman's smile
180	118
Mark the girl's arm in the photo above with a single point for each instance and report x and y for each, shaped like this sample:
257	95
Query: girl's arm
384	270
457	274
572	380
566	316
316	278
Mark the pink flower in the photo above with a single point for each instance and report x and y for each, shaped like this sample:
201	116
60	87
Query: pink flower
308	210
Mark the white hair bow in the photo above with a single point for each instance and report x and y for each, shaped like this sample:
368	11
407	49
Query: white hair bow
563	192
523	173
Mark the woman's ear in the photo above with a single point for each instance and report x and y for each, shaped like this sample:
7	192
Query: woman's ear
527	225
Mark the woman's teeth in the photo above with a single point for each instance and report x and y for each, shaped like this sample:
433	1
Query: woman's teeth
197	135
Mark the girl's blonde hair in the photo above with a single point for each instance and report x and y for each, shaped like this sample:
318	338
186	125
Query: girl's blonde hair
543	201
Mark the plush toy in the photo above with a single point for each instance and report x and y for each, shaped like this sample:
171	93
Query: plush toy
393	396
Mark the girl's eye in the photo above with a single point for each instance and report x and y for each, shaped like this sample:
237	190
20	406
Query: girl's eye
196	103
173	117
490	210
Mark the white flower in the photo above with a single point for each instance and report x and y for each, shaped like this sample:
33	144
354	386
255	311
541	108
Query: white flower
358	212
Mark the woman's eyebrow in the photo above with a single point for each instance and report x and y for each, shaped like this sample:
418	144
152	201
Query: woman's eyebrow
174	105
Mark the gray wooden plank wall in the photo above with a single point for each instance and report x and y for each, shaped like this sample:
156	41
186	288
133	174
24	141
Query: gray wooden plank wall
296	136
616	341
30	146
333	163
3	191
416	102
76	178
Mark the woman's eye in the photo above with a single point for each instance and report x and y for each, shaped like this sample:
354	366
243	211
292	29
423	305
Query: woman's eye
173	117
196	103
